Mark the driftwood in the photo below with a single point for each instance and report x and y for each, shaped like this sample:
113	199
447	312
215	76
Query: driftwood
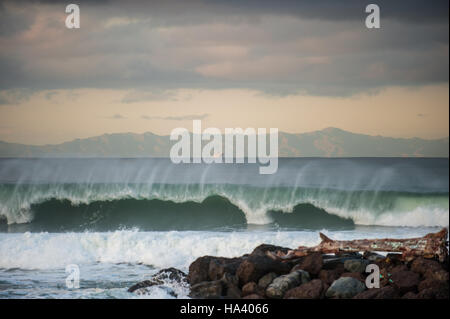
429	246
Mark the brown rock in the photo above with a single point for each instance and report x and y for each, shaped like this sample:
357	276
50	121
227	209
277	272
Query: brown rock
387	292
433	293
409	295
266	280
356	275
198	270
328	276
421	266
440	275
219	266
312	264
436	289
314	289
263	248
233	292
249	288
254	267
405	280
207	290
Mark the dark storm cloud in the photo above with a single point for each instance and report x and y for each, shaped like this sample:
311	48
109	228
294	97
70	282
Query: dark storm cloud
279	47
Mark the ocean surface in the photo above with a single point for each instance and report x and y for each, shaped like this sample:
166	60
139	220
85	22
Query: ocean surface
121	220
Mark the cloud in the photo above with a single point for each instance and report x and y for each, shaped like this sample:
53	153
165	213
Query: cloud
189	117
116	116
155	48
148	95
14	96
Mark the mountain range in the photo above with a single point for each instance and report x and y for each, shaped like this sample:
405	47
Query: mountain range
329	142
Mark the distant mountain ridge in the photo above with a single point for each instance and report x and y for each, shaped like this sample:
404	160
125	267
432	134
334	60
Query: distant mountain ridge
329	142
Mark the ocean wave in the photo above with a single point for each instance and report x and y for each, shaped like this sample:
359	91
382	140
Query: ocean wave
217	205
158	249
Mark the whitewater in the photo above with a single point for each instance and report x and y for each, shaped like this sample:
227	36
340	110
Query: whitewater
122	220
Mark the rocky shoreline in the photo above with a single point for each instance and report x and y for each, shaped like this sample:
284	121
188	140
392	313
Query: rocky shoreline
315	276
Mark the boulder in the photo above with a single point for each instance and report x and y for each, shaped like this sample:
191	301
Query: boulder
219	266
280	285
356	265
254	267
405	280
311	290
312	264
233	292
409	295
328	276
207	290
432	288
263	248
433	293
335	262
372	257
249	288
199	270
345	287
387	292
266	280
440	275
163	276
422	266
356	275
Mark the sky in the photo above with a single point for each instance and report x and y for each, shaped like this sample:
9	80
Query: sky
300	66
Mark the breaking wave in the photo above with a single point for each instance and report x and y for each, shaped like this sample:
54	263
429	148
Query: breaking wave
111	206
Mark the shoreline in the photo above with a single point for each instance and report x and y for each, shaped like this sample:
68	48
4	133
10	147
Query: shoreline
340	275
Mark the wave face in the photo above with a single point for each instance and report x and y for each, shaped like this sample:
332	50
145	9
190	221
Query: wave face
154	194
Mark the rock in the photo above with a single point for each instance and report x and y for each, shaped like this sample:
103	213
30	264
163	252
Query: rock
144	284
219	266
345	287
387	292
280	285
409	295
230	286
335	263
254	267
199	270
356	265
311	290
405	280
355	255
432	288
433	293
253	296
230	280
207	289
398	268
263	248
161	277
312	264
356	275
266	280
372	256
233	292
422	266
440	275
431	283
328	276
249	288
